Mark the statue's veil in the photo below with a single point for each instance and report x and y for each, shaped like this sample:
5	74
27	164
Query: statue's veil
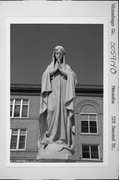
63	53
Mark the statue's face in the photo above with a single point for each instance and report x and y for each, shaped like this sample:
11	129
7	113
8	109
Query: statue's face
58	55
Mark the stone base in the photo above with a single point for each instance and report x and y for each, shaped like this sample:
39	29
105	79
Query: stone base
55	153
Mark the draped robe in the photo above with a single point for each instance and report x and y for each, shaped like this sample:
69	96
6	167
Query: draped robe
56	103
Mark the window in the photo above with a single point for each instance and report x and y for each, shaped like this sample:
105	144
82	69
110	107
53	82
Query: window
88	123
19	108
90	152
14	139
11	107
18	139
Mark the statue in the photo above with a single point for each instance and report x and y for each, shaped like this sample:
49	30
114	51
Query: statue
57	125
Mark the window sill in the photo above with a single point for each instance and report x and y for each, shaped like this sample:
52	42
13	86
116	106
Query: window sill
19	117
17	150
89	159
91	134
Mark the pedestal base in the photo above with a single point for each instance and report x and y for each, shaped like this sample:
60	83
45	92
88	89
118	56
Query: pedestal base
55	153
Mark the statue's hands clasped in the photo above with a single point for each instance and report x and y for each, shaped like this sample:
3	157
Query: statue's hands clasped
58	66
55	69
61	70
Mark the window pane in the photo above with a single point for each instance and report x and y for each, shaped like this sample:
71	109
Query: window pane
25	107
86	155
24	110
93	130
24	113
92	116
13	142
21	146
18	101
84	126
94	148
22	142
85	147
94	152
23	131
93	127
17	108
10	113
11	101
14	131
84	117
11	107
25	101
22	139
85	151
17	111
84	123
93	123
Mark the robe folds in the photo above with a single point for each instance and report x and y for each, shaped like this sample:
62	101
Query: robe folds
56	103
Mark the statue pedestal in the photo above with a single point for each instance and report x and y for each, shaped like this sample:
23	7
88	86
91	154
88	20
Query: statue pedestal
55	153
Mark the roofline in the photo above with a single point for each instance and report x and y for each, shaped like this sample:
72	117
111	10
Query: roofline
35	89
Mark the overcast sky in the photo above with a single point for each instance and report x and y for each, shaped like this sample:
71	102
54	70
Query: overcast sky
32	46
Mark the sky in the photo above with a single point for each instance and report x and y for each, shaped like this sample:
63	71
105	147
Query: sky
32	47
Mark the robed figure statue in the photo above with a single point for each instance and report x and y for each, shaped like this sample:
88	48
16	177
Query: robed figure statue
56	119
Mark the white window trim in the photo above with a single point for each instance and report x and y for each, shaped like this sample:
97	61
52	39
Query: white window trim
18	138
89	133
90	152
10	137
13	106
24	143
21	106
25	140
28	109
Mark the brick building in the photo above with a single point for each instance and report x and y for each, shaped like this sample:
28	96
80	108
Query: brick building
24	123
